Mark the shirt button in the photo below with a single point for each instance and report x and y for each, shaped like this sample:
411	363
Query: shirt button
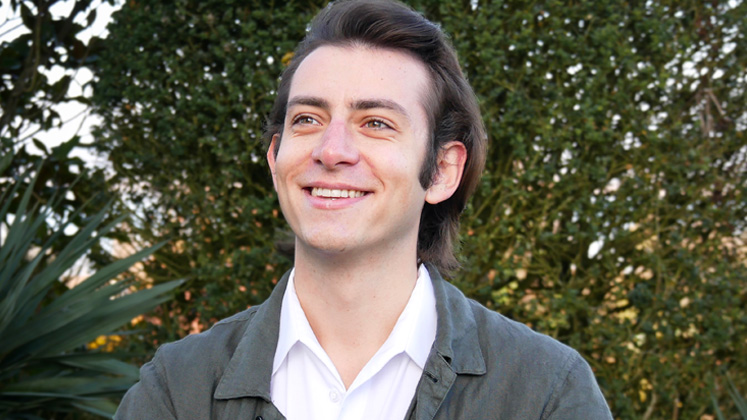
334	396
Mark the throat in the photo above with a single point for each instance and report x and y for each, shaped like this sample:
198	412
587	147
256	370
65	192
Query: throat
353	317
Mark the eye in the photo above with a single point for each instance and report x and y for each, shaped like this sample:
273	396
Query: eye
376	124
305	120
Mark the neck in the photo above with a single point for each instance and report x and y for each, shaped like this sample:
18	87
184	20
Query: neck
352	304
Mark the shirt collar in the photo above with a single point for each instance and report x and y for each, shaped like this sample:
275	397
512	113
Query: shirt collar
294	326
249	371
413	333
415	330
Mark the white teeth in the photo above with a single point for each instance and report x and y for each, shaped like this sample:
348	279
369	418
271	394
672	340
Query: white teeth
329	193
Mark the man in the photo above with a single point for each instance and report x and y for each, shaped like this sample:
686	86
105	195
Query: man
376	142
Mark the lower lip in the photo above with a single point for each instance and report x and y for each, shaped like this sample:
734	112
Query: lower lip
333	203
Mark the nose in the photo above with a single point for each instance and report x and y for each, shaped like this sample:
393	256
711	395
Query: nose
336	147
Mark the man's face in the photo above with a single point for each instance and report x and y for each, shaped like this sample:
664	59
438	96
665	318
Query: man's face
353	143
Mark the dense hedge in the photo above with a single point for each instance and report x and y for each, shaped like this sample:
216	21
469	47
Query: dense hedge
618	124
184	89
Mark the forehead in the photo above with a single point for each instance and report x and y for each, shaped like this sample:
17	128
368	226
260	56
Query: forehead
346	74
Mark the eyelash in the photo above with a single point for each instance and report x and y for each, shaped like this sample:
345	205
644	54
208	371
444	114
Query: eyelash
384	124
300	118
311	120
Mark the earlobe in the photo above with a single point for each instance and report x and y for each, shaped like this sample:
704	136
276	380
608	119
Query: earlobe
450	166
271	158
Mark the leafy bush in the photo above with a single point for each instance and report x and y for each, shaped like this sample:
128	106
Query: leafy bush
184	106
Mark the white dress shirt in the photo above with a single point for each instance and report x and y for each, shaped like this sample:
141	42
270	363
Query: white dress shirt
306	385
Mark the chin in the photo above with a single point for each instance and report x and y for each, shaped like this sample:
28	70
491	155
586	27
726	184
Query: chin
325	245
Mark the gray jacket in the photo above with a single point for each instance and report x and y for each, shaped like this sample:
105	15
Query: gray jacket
481	366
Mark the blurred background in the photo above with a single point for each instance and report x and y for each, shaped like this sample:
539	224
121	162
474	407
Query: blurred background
136	206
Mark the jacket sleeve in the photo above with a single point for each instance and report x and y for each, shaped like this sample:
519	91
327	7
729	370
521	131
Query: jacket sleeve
149	398
578	397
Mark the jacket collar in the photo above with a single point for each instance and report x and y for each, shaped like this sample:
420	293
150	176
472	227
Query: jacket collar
249	371
457	339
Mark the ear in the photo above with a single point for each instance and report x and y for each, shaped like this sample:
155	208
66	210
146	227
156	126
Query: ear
450	166
271	158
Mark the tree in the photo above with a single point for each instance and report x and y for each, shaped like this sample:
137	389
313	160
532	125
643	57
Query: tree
611	214
42	43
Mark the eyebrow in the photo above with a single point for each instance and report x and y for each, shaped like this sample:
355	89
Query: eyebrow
309	101
358	105
364	104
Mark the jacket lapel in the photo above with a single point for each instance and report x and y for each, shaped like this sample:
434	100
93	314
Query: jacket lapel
249	371
456	349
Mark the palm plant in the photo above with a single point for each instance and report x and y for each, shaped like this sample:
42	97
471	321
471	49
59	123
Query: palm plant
45	369
739	401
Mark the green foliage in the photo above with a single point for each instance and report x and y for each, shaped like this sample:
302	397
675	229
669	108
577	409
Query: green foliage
620	124
183	107
45	41
736	398
44	370
44	367
36	43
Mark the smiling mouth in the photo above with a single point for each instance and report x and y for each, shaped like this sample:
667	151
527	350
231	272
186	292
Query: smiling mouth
333	193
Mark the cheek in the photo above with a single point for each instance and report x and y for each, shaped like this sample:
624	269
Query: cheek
286	160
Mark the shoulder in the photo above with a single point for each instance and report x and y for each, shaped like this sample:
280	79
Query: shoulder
198	358
211	349
538	368
503	343
180	379
513	340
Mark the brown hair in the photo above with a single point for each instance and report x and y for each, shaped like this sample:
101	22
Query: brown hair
451	106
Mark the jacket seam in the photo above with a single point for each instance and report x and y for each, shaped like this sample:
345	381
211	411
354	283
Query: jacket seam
570	364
